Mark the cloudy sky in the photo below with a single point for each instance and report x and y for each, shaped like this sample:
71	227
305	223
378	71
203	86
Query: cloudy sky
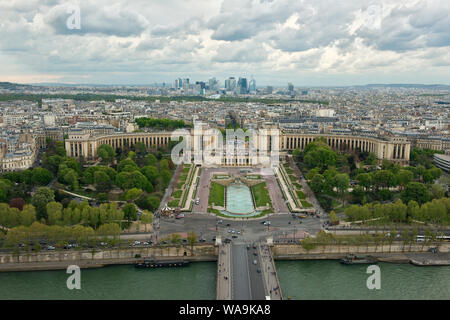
306	42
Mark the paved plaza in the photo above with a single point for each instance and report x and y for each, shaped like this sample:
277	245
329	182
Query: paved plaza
276	197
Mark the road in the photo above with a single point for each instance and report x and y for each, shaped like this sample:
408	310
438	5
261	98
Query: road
207	227
247	282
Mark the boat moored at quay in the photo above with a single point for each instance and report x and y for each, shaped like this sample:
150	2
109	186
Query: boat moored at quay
160	264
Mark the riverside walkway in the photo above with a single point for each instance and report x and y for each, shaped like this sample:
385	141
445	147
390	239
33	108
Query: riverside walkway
247	272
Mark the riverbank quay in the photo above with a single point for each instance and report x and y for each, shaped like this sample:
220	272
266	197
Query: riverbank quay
417	254
56	260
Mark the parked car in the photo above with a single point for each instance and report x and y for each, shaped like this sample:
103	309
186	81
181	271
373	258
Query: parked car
51	248
234	236
180	216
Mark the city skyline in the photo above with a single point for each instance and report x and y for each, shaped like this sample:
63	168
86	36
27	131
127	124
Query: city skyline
305	43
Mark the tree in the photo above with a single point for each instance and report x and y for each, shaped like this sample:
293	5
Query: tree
146	218
333	218
358	195
342	183
17	203
133	194
27	216
151	160
384	179
106	152
435	173
175	238
130	212
5	187
151	173
437	191
109	230
164	164
371	159
415	191
321	157
365	180
54	212
405	238
41	176
71	178
391	238
192	239
317	183
404	177
166	175
127	165
311	173
296	154
102	181
128	180
40	199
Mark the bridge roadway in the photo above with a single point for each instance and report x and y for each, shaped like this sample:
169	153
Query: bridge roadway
239	278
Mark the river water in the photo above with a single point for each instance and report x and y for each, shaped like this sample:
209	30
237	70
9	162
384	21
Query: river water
196	281
325	279
328	279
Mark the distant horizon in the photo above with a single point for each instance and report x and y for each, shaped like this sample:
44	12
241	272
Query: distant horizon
150	84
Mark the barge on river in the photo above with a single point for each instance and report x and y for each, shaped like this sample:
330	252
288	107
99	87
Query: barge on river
160	264
354	259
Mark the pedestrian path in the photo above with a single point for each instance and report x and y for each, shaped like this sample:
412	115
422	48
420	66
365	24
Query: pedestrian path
192	189
224	273
270	274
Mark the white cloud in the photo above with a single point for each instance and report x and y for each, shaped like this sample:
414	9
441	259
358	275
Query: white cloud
286	40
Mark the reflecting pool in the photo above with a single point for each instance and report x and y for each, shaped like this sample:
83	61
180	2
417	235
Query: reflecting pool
239	199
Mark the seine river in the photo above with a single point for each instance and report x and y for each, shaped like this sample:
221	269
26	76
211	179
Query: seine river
326	279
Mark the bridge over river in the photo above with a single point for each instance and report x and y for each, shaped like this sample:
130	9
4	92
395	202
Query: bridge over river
246	271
